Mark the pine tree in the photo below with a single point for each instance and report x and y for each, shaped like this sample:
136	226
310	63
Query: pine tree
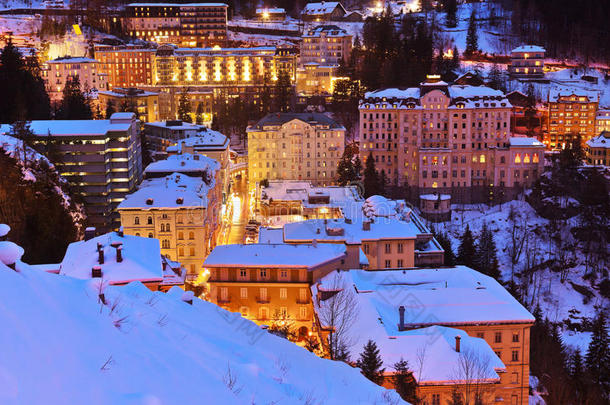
486	254
346	172
455	58
283	92
383	182
199	114
597	358
74	105
466	250
472	39
404	382
371	179
184	107
358	167
370	363
445	242
110	109
451	10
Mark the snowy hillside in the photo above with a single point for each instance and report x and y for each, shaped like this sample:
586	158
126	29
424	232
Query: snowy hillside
559	301
62	345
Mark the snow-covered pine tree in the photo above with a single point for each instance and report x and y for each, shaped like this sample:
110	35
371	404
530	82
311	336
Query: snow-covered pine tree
404	382
370	363
597	359
472	38
466	250
486	254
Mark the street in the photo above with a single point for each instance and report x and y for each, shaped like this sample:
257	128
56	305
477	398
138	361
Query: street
234	232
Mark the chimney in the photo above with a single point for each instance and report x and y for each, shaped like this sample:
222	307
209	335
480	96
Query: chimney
96	272
119	250
89	233
457	343
401	313
314	243
366	225
121	232
100	255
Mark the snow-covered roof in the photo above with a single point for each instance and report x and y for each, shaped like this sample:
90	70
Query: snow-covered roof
206	139
176	5
390	93
600	141
270	235
445	296
177	191
4	229
294	190
75	127
557	92
529	48
184	163
173	125
124	94
278	119
273	10
325	7
525	141
328	30
274	255
141	259
72	60
435	197
338	230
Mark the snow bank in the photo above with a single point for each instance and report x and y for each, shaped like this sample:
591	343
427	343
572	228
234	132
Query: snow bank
61	345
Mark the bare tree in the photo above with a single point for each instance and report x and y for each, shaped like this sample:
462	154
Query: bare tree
338	310
472	374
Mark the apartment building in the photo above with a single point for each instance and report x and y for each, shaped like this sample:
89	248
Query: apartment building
89	71
444	315
269	283
126	65
315	79
571	111
453	139
182	212
602	121
597	150
101	159
326	45
190	24
295	146
144	103
527	61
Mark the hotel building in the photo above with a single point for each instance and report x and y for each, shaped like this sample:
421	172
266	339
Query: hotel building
453	139
326	45
295	146
127	65
527	61
597	150
571	111
144	103
56	73
101	159
190	25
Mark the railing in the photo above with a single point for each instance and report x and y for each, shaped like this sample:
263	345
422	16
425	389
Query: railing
262	300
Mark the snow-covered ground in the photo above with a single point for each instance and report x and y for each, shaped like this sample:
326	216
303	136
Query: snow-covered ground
60	344
556	299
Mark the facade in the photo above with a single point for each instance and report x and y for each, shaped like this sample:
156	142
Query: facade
323	11
450	139
295	146
315	79
269	283
602	121
449	314
101	159
571	111
119	259
326	45
597	150
57	72
190	25
126	66
182	212
144	103
270	14
435	207
527	61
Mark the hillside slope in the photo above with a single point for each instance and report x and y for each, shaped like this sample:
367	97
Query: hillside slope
60	344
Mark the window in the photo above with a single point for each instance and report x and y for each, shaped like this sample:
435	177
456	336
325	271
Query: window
514	378
136	221
263	273
517	158
365	248
388	248
263	294
192	251
224	294
399	263
514	400
162	227
436	399
302	294
167	228
283	293
243	274
181	251
515	355
165	244
191	235
150	235
284	274
243	292
244	311
303	312
498	337
180	235
388	264
400	248
283	312
526	159
149	220
263	313
515	337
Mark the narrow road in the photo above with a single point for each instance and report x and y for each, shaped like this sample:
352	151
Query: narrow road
240	211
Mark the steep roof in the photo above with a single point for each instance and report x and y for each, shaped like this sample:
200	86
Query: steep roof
322	8
600	141
184	163
529	48
277	119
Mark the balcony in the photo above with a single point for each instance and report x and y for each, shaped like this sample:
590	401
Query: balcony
224	300
262	300
303	302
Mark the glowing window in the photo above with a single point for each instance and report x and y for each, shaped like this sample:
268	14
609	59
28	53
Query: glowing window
482	159
517	158
434	185
526	158
535	159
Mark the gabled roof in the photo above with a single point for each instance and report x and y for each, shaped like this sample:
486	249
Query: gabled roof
600	141
529	48
278	119
322	8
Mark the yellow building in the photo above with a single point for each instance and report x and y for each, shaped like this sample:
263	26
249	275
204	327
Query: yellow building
598	150
326	45
183	212
270	283
571	112
314	79
57	72
295	146
457	328
602	121
144	103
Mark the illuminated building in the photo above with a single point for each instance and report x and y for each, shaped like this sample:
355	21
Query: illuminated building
323	11
145	103
571	111
315	79
127	65
597	150
101	159
271	14
57	72
326	45
527	61
295	146
450	139
190	25
602	121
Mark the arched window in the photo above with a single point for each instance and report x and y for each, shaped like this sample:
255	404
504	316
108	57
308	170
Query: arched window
518	158
166	227
181	251
165	244
150	235
482	159
526	158
191	235
162	227
149	221
180	235
535	158
502	159
136	221
137	234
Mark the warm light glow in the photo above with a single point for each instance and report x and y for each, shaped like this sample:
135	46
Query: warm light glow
265	15
448	54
